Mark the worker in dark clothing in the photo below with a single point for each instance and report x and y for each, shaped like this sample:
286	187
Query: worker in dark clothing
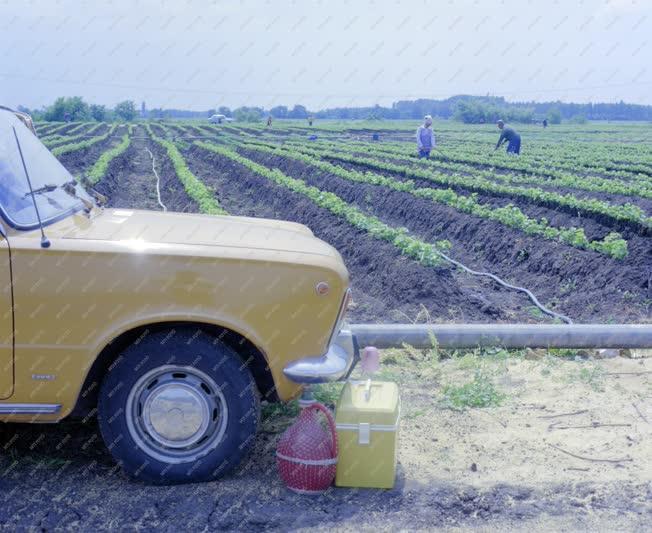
510	136
269	121
545	122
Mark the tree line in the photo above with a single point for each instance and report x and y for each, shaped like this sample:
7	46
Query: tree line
468	109
75	109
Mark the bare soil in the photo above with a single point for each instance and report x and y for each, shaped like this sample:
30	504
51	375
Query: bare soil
476	469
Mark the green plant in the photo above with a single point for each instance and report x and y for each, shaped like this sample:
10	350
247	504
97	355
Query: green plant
328	393
194	187
51	140
73	147
425	253
591	375
509	215
481	392
562	352
98	170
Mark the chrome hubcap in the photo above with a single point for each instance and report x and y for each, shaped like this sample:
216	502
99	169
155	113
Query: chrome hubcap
176	414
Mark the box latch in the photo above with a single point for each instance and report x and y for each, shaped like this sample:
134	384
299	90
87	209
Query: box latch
364	432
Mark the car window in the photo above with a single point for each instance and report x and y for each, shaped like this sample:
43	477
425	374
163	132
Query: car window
47	175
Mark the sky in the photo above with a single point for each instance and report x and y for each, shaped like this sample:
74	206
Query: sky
198	55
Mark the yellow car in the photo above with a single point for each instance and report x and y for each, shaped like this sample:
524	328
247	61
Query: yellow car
169	326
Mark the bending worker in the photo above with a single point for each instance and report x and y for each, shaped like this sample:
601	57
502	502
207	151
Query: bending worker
513	139
425	137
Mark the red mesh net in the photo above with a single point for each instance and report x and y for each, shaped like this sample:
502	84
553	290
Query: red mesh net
306	453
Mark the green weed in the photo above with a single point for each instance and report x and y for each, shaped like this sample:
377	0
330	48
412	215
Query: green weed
481	392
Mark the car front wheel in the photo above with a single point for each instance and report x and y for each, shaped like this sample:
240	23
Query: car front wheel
178	406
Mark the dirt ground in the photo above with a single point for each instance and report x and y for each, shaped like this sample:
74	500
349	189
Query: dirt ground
569	447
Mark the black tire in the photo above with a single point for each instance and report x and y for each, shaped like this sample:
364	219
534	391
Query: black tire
139	417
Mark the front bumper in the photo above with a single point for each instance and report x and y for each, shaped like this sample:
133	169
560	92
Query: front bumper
334	365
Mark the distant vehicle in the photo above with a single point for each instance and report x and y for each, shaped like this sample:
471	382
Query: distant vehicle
218	119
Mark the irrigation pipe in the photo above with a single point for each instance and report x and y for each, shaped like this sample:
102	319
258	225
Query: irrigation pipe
506	285
158	181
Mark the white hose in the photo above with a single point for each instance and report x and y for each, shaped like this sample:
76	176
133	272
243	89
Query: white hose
506	285
158	181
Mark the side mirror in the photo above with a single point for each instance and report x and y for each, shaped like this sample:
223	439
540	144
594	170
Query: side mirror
100	199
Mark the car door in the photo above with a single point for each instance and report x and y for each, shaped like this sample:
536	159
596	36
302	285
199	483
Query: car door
6	323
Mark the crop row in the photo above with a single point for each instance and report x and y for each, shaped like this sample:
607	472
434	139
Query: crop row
425	253
613	244
80	145
518	171
99	168
58	128
41	126
51	140
545	165
621	213
79	128
569	159
594	184
610	158
616	160
194	187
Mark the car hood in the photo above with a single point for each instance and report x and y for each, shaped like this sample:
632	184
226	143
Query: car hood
155	227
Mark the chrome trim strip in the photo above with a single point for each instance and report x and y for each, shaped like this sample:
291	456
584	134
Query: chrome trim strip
29	408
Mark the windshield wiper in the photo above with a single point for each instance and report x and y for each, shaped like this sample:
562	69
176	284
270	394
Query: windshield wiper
40	190
69	187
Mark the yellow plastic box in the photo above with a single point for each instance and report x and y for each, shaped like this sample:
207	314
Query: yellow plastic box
367	420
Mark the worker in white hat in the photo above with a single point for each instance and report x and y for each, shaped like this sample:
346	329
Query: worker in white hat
425	137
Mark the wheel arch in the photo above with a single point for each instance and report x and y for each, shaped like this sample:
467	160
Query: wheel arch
250	354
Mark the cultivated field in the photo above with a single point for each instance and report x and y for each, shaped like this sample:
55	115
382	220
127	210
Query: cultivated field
570	220
527	440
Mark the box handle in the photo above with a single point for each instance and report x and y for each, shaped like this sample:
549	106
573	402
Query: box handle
364	433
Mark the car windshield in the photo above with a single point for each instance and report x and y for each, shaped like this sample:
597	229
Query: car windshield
56	192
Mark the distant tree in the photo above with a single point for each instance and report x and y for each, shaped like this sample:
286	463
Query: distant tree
478	112
298	111
247	114
554	115
223	110
280	111
211	112
125	110
470	112
158	113
73	109
98	112
578	119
